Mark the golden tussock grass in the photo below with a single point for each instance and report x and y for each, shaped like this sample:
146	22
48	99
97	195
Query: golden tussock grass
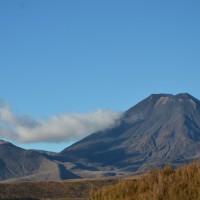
163	184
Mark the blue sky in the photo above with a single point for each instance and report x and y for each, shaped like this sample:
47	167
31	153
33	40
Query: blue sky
59	57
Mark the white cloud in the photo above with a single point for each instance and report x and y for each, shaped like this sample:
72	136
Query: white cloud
55	129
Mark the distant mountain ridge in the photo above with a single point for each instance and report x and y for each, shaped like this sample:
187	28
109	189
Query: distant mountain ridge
161	129
24	165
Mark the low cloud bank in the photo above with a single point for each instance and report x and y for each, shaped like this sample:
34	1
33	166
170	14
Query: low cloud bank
59	128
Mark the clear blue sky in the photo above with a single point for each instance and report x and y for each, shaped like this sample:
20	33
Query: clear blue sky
76	56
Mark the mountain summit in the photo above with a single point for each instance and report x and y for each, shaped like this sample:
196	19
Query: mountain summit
161	129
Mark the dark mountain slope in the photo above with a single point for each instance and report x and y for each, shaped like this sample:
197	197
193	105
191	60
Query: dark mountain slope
20	164
162	128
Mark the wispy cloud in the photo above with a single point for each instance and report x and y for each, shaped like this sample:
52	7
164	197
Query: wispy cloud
56	128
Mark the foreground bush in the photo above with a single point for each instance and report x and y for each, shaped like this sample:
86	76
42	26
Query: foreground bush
166	184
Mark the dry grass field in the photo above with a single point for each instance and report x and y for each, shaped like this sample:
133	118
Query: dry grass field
163	184
46	190
168	183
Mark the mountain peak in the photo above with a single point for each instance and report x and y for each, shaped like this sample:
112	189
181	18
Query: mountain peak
3	142
165	98
163	128
185	96
179	95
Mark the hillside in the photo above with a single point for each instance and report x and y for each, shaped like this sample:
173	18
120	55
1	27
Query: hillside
161	129
23	165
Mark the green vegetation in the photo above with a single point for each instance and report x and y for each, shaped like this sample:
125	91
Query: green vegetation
164	184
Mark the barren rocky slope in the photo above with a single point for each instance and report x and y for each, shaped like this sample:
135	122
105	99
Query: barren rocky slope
20	164
161	129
